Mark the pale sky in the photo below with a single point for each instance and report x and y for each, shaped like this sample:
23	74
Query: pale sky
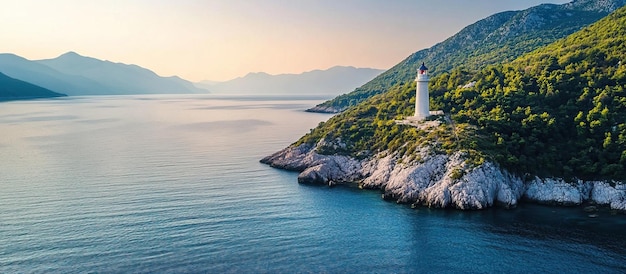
224	39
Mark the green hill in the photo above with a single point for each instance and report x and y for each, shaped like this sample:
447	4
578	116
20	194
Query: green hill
13	89
558	111
496	39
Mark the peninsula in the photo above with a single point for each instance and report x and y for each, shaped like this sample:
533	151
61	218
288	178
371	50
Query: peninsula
548	127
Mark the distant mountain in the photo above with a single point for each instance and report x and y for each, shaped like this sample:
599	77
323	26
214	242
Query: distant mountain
206	83
496	39
316	82
13	89
596	5
74	74
44	76
117	78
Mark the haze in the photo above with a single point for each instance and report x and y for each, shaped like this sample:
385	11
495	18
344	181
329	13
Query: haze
223	39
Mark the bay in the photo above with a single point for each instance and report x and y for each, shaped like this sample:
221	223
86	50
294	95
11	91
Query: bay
162	183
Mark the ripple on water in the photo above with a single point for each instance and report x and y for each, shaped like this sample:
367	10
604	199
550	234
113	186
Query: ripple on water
165	184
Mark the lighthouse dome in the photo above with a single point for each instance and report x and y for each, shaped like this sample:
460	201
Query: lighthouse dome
422	71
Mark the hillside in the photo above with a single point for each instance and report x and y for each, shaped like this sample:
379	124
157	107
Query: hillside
74	74
496	39
316	82
550	125
13	89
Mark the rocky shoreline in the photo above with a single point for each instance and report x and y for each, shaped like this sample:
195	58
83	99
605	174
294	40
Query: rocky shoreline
441	181
325	109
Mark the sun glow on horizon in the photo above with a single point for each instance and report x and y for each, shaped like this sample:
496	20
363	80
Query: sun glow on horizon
221	40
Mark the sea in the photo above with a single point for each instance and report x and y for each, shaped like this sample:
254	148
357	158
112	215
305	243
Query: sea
173	184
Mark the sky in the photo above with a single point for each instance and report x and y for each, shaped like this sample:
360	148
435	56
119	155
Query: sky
223	39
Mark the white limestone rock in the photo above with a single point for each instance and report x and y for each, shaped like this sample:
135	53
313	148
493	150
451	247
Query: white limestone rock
377	172
331	170
296	158
605	194
407	182
557	191
486	185
435	182
480	187
438	180
315	168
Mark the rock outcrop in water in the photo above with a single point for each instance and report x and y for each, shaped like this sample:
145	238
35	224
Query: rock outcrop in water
442	181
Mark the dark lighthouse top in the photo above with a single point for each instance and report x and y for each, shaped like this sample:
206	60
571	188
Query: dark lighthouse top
422	69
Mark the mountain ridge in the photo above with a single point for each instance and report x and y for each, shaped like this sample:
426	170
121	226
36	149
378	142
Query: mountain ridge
118	78
41	75
74	74
497	38
318	81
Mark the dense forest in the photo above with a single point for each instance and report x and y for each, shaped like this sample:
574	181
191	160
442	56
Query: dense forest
558	111
496	39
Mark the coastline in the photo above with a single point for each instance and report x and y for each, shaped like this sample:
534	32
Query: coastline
325	109
25	98
442	181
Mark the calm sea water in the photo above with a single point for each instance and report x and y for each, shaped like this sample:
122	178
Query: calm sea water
173	184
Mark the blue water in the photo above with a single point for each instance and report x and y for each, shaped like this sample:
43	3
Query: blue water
173	184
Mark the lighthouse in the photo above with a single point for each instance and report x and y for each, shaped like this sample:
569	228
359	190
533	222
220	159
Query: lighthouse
422	109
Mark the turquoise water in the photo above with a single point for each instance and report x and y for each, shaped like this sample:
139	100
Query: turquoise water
173	184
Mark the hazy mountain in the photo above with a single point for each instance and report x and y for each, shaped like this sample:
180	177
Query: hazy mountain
74	74
498	38
317	82
116	78
44	76
13	89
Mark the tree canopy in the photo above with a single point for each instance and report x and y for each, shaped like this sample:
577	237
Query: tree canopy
496	39
557	111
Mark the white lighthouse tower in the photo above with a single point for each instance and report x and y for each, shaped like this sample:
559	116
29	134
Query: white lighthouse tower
422	108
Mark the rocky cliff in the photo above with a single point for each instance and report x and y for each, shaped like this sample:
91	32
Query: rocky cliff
441	181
